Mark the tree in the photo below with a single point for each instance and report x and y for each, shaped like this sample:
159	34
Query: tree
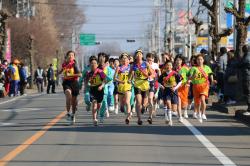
214	27
242	24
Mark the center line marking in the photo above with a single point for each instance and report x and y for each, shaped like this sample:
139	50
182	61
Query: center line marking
209	145
11	155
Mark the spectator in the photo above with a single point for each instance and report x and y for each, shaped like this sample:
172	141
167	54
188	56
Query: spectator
231	79
23	78
15	78
207	57
6	77
2	90
51	76
39	79
222	66
245	70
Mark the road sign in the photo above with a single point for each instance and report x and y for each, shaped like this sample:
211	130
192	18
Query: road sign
87	39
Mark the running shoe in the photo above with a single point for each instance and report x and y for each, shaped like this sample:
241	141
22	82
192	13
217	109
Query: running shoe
116	110
72	119
185	114
127	121
68	117
111	108
101	120
200	118
150	121
181	119
143	110
246	113
204	117
195	115
139	122
170	123
107	113
95	122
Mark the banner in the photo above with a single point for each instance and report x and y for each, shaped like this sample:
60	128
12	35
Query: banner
8	46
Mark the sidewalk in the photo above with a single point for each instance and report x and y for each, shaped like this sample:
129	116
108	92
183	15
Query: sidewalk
235	110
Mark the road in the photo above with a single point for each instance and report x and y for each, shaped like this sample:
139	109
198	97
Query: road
34	131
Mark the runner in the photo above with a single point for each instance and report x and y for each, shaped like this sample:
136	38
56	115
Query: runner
71	73
116	96
152	81
199	75
140	71
124	86
103	59
170	81
86	87
182	69
190	92
96	82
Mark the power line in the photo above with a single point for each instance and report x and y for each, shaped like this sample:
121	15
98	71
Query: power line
86	5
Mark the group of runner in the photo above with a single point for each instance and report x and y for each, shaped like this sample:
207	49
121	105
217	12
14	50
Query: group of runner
134	83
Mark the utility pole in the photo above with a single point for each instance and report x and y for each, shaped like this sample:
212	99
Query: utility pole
1	4
189	32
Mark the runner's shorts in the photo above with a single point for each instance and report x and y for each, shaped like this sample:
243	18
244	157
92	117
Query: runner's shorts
168	94
152	86
95	94
72	85
142	93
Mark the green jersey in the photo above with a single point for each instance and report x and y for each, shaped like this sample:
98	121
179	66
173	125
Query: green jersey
197	76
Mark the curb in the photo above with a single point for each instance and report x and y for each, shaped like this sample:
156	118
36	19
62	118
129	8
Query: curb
243	118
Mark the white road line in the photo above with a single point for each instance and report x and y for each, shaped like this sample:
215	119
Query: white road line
19	97
7	124
211	147
20	109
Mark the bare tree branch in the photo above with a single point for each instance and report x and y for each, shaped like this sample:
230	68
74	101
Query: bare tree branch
234	12
247	21
206	4
225	32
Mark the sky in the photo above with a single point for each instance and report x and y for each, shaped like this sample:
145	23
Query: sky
115	21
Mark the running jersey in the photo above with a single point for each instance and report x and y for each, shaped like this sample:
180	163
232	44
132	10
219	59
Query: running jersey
69	70
197	76
183	72
123	74
141	81
95	78
171	81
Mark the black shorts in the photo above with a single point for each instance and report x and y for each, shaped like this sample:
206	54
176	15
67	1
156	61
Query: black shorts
168	94
142	93
72	85
95	94
152	86
116	90
190	92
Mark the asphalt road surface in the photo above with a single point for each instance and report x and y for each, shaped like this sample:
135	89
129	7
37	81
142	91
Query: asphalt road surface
34	131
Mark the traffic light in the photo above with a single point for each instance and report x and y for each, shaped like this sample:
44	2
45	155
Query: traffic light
130	41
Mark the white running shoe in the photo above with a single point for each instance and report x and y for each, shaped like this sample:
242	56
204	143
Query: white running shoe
200	118
72	119
204	117
181	119
195	115
246	113
170	123
185	114
175	113
111	108
107	113
133	110
116	110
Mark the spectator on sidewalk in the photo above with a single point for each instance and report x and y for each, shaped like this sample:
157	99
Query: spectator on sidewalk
39	79
245	70
7	78
2	90
23	78
15	78
222	66
51	76
231	79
